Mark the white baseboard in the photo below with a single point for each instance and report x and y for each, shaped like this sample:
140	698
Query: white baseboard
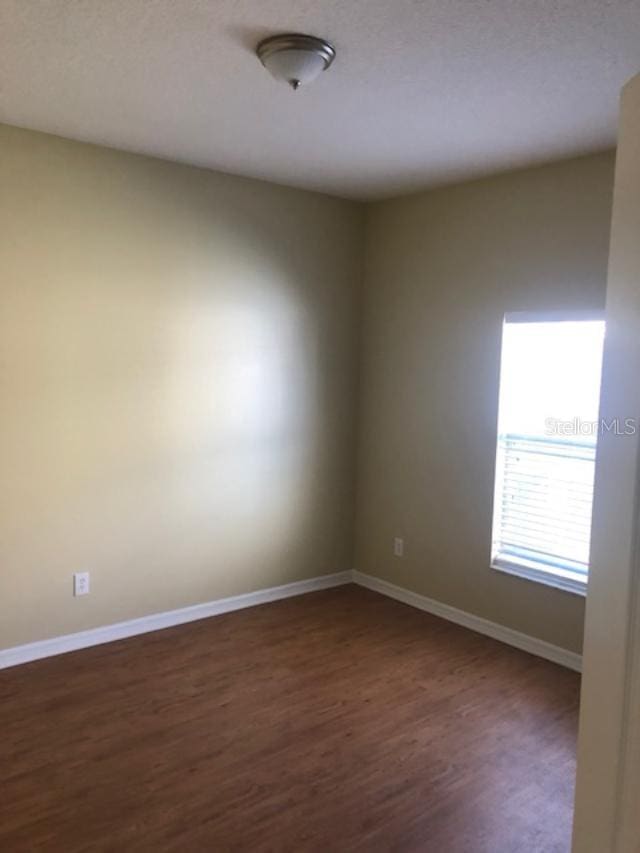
157	621
475	623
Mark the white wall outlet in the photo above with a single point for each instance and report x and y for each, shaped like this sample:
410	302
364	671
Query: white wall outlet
81	583
398	547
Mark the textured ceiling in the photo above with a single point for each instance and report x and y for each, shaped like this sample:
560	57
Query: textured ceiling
423	92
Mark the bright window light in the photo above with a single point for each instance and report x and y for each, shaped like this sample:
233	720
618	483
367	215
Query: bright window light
547	439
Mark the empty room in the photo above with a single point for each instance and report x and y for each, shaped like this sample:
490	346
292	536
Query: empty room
319	426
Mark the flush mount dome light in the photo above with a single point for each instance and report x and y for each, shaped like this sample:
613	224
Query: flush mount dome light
296	59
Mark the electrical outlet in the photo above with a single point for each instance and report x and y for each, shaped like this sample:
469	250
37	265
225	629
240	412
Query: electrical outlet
81	583
398	547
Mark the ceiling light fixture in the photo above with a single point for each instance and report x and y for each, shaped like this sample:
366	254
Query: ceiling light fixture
297	59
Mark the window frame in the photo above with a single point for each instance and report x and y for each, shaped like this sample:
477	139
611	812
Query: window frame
555	577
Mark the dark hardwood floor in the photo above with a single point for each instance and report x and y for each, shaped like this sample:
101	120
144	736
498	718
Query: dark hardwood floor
336	721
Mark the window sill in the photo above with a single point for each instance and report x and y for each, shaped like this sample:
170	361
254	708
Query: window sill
557	579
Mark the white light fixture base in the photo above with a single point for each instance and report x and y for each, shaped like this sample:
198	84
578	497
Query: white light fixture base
295	58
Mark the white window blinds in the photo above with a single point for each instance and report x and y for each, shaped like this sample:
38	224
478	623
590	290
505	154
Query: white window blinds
547	438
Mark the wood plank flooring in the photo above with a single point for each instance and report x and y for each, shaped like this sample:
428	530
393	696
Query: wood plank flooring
336	721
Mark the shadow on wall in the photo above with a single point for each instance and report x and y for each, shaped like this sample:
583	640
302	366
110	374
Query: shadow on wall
178	357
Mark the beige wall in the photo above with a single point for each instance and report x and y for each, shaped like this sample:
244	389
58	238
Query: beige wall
441	269
177	371
178	358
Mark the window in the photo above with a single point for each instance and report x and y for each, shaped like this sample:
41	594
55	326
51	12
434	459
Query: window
547	436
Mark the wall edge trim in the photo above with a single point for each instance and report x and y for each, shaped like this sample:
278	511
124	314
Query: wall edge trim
40	649
16	655
511	637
